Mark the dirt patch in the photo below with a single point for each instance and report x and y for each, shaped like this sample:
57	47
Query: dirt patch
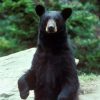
90	90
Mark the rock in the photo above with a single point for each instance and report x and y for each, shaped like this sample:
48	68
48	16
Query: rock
11	68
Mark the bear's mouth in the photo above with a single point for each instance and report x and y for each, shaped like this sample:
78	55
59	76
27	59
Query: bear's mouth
51	26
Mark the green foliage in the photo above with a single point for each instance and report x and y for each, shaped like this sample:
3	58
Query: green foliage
18	24
88	51
18	28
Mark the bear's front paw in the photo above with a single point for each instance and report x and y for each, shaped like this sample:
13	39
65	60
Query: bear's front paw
23	88
62	98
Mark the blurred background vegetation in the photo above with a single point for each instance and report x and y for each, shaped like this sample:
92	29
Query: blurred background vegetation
18	27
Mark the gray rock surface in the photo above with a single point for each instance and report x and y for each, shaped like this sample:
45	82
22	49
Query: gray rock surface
11	68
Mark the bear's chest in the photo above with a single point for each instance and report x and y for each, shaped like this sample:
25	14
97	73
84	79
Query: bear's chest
50	71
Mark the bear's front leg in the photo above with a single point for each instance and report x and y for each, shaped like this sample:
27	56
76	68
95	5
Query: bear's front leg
69	91
25	83
23	87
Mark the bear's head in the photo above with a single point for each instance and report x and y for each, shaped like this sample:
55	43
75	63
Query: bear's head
52	21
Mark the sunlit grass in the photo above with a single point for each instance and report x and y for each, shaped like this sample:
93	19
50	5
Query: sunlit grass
86	78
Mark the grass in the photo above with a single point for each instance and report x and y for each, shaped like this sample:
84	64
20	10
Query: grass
87	78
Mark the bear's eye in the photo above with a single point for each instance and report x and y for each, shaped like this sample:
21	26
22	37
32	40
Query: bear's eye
44	20
59	21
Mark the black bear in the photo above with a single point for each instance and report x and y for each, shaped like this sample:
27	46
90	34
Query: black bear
53	74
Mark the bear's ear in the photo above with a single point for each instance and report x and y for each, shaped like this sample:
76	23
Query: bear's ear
66	13
39	10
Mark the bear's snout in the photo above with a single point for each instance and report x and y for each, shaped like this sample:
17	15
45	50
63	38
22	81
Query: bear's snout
51	26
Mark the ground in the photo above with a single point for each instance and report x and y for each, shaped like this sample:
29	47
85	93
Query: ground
14	65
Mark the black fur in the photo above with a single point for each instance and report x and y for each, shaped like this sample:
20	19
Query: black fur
53	74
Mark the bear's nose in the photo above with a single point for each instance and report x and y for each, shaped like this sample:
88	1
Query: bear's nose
51	26
51	29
